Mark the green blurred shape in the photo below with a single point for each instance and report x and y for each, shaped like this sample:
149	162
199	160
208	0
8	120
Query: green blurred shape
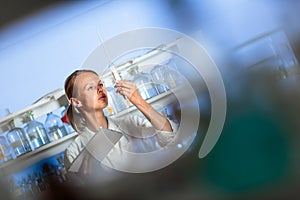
253	152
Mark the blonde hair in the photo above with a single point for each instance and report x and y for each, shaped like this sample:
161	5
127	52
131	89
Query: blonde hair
76	119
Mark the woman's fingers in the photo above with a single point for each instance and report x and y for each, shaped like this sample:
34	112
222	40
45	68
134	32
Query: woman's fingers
127	89
125	84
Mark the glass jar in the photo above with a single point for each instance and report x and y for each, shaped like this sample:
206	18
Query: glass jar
65	121
165	77
54	127
144	83
36	133
5	150
158	74
18	141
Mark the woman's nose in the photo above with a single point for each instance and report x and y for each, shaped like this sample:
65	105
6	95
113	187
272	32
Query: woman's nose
99	89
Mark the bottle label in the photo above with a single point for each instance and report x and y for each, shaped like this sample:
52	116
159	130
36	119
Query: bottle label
2	156
109	110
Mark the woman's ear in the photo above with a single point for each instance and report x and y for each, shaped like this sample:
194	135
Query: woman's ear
75	102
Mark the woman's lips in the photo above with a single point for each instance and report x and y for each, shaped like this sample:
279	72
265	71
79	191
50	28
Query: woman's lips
103	96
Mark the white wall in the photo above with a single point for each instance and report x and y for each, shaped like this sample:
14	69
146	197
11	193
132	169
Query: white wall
38	53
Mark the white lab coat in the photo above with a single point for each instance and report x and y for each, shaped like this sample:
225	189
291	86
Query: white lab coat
139	136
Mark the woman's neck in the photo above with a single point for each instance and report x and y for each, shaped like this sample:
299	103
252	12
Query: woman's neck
96	120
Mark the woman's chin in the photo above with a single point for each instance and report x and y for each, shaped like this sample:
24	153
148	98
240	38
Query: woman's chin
101	105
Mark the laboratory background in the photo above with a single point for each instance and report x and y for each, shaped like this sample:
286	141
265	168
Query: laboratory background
255	46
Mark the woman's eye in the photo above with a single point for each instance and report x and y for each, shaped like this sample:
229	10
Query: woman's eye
90	87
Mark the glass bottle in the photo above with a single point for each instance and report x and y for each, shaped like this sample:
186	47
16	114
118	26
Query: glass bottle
18	193
5	150
11	183
18	141
61	170
55	127
143	83
174	78
40	182
26	188
166	77
34	185
65	121
158	74
36	133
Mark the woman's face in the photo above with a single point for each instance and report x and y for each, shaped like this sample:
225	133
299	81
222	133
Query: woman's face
90	92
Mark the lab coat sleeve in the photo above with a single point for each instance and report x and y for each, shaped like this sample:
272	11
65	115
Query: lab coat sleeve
72	152
166	137
68	158
141	128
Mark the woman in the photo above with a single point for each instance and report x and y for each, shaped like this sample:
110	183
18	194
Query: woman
88	97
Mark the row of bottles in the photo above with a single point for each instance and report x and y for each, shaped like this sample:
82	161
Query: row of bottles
41	177
160	79
18	141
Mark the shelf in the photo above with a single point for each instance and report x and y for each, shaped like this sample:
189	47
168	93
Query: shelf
162	99
60	145
37	155
45	105
147	61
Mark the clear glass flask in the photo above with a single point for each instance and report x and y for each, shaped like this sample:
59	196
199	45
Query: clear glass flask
158	74
36	133
144	83
55	127
165	77
18	141
5	150
65	121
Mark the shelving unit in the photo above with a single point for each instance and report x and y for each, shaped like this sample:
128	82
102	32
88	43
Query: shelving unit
161	99
60	145
37	155
44	105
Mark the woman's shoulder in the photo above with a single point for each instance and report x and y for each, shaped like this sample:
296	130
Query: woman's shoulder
79	142
75	144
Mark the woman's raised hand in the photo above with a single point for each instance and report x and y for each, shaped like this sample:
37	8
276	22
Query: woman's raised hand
129	90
